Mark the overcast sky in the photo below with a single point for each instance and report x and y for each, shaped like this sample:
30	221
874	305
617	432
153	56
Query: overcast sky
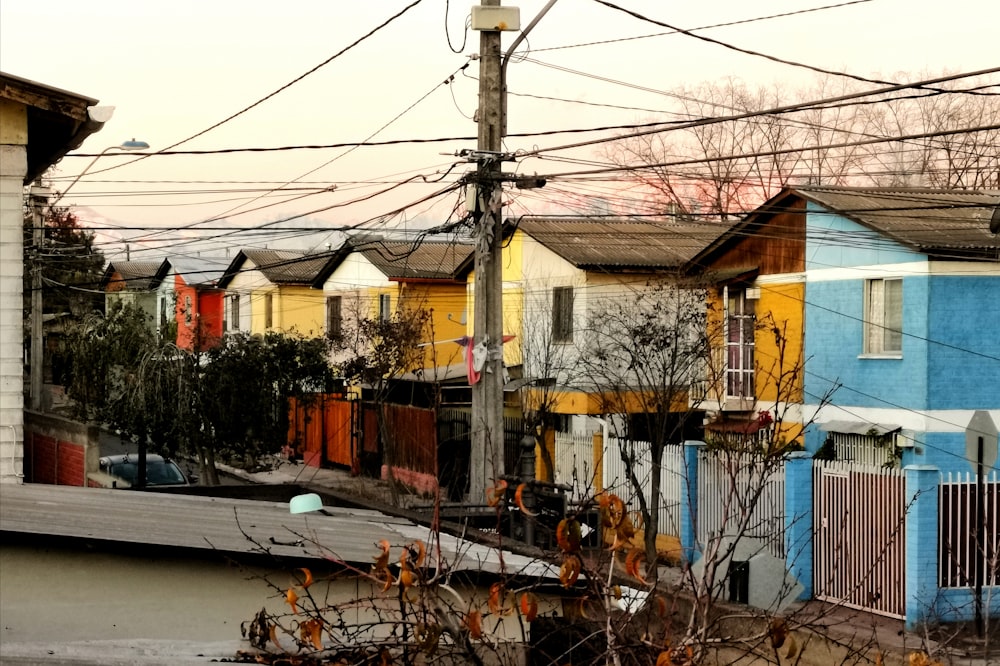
173	70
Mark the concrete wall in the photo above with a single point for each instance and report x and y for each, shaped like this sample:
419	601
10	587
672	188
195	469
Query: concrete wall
13	167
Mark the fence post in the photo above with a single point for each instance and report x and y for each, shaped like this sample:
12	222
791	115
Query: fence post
921	581
799	520
689	502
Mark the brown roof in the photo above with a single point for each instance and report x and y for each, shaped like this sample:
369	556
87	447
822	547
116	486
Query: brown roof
427	260
621	243
136	275
278	266
940	222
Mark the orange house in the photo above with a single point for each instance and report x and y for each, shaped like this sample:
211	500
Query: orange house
199	301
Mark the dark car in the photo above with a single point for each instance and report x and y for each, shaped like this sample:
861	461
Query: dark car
160	471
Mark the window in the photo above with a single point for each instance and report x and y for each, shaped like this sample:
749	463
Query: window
268	311
741	320
562	314
384	307
188	310
334	317
234	311
883	332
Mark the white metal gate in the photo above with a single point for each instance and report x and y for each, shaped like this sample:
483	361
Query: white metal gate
859	518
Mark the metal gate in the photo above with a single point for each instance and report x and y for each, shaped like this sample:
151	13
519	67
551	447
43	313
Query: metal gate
859	518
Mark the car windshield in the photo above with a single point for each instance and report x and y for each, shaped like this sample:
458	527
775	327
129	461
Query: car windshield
158	473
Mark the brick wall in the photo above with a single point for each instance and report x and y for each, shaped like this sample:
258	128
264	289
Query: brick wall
59	451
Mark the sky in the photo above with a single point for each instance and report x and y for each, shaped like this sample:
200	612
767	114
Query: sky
174	70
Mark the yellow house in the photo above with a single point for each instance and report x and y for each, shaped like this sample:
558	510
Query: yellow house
755	274
374	278
271	290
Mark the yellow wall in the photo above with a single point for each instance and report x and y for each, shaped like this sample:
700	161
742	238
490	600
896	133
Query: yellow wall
295	309
512	271
779	363
445	303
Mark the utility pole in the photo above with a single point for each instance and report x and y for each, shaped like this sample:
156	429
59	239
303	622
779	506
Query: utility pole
39	197
487	454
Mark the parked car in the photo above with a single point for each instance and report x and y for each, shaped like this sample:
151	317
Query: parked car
160	471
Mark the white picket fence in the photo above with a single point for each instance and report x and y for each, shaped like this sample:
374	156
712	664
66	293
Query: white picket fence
618	454
965	556
575	466
741	495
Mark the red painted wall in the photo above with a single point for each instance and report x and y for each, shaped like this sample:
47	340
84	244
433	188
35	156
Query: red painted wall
53	461
199	314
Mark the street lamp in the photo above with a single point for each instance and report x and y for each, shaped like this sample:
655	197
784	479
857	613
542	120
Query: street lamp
131	144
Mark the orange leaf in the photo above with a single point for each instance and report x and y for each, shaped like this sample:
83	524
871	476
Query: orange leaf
495	494
529	606
519	500
272	633
308	577
382	559
569	572
291	598
613	510
777	631
406	578
495	602
633	560
418	560
474	621
311	631
389	580
664	659
568	535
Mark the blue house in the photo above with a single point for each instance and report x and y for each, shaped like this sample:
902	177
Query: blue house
902	321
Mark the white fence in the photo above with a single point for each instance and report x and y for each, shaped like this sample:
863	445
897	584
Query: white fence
741	495
576	467
619	454
969	551
574	464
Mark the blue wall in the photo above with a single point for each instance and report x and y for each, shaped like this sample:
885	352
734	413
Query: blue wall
834	241
964	372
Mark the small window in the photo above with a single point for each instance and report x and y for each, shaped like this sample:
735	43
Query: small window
384	307
188	311
562	314
268	311
883	326
334	317
234	311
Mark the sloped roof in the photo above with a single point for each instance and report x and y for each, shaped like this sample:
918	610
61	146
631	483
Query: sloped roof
404	259
278	266
199	271
137	275
937	222
621	243
428	260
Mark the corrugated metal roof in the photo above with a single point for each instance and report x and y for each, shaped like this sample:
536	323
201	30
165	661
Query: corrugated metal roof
943	222
233	526
426	260
286	266
621	242
137	275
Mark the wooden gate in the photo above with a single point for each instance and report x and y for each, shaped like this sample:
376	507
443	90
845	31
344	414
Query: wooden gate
859	518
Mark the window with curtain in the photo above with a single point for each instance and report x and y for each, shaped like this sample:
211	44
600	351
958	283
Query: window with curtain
741	321
883	326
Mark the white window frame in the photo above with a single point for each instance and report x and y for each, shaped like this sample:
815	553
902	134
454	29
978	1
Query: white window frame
741	325
883	318
384	307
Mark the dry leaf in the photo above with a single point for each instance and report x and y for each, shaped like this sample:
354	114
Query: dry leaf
519	500
529	606
568	535
290	598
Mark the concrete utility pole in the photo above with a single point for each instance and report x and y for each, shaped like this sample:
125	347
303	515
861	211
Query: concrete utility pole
39	198
487	455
